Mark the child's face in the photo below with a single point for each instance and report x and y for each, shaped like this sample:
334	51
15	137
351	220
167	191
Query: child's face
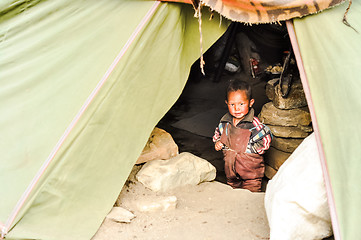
238	104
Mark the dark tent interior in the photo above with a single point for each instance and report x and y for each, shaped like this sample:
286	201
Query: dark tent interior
255	54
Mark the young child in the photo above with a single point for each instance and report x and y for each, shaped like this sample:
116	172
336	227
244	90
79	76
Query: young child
243	139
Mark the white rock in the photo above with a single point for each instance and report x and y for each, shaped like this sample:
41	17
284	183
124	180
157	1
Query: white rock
160	204
184	169
119	214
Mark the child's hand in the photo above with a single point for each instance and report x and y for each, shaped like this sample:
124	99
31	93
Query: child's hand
218	146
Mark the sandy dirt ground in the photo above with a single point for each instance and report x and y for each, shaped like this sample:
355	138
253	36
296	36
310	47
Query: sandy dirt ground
208	211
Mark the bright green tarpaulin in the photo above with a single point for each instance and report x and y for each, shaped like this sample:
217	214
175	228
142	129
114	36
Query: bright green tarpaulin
331	54
52	56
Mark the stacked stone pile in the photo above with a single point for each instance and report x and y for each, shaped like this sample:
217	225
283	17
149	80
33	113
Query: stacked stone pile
289	120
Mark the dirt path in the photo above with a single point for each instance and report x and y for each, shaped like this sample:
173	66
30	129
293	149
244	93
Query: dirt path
208	211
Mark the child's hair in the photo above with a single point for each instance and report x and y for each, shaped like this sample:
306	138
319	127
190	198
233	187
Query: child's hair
235	85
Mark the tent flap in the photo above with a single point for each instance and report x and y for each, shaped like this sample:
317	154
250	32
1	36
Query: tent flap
83	85
331	57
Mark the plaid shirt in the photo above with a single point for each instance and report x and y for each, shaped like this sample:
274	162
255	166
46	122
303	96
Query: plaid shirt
260	139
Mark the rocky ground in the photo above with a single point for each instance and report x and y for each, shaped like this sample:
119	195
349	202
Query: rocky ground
210	210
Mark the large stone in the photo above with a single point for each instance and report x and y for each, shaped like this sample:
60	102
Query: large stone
119	214
275	158
295	99
269	171
290	132
160	145
308	129
184	169
286	144
293	117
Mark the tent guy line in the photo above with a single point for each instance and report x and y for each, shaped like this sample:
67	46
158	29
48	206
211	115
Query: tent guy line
5	228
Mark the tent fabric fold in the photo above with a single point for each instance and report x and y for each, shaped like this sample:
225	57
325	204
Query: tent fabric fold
83	85
331	53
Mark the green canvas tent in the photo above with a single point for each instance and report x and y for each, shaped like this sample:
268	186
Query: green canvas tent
330	59
84	83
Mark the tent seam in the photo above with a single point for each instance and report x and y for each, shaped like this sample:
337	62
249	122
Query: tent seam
26	194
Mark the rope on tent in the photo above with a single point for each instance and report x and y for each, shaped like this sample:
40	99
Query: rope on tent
344	20
198	15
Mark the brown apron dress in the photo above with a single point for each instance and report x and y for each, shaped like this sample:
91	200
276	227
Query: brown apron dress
243	170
